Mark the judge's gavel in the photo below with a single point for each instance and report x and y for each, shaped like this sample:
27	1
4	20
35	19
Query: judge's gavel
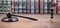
10	16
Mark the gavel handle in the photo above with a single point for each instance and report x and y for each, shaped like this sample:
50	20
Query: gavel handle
26	17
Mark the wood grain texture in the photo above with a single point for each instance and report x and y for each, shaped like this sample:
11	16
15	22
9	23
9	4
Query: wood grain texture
43	22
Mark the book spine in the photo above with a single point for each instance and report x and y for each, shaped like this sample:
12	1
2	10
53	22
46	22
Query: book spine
45	6
36	6
41	6
58	7
32	6
55	6
58	11
1	4
9	6
24	7
12	7
20	6
28	7
16	6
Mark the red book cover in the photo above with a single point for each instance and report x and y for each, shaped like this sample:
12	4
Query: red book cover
55	6
41	6
58	11
58	7
12	7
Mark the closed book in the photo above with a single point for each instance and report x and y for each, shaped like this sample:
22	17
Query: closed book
20	7
24	7
55	6
28	7
41	6
12	7
16	7
45	8
58	7
24	10
32	7
1	7
12	10
36	10
58	11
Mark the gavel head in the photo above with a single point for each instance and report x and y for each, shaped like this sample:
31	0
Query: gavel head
52	9
8	15
9	18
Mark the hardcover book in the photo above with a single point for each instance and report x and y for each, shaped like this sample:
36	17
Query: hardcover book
20	6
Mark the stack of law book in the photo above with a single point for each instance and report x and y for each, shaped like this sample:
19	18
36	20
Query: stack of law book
29	6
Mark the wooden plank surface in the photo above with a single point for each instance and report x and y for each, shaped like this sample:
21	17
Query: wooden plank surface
43	22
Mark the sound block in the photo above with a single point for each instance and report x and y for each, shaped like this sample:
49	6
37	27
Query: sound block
13	19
